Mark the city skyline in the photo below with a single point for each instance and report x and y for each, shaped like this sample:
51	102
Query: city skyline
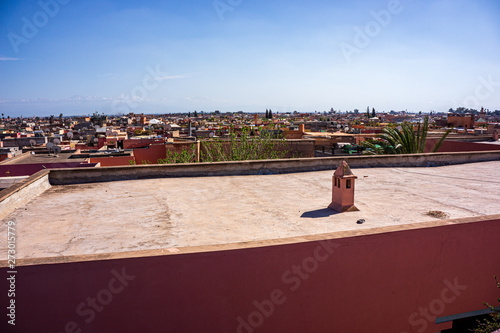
120	57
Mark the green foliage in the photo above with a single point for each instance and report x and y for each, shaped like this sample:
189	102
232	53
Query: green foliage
139	132
244	147
493	323
402	141
133	162
96	118
185	156
268	145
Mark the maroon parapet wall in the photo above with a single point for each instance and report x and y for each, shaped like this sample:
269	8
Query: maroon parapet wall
362	281
449	146
11	170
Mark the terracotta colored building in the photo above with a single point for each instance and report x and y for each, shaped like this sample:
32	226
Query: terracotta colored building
465	121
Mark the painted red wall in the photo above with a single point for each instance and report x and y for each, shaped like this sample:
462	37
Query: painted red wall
138	143
10	170
371	283
113	161
461	121
150	154
101	142
459	146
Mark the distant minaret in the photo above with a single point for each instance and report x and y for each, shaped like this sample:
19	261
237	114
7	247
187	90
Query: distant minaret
343	189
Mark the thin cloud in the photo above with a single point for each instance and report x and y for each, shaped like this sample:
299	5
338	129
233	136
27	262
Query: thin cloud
112	75
173	77
72	99
8	59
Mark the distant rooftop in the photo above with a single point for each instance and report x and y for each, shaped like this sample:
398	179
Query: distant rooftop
46	158
180	212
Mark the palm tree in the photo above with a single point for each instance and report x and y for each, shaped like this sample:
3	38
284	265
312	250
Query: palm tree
404	141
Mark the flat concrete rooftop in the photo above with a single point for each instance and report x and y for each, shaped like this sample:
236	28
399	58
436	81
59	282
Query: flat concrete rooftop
181	212
63	157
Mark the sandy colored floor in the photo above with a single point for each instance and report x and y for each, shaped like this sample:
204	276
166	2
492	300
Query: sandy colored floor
176	212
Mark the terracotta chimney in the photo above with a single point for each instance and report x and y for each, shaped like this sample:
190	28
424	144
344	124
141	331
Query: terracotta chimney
343	189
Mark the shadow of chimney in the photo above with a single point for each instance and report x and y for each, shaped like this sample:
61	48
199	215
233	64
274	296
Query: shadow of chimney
318	213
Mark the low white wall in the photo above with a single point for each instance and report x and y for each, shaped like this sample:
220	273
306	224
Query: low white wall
19	194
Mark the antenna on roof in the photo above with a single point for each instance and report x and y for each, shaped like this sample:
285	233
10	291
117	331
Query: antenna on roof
49	146
57	150
54	147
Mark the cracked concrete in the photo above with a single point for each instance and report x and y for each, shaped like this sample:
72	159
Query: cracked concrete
178	212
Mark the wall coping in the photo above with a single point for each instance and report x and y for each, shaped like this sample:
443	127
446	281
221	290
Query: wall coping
15	158
66	176
250	244
5	193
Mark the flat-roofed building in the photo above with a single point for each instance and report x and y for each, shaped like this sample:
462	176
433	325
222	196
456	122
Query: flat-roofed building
250	252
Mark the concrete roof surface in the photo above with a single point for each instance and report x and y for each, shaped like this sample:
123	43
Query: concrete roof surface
178	212
63	157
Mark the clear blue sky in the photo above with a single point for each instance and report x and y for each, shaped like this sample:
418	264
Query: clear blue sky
172	56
